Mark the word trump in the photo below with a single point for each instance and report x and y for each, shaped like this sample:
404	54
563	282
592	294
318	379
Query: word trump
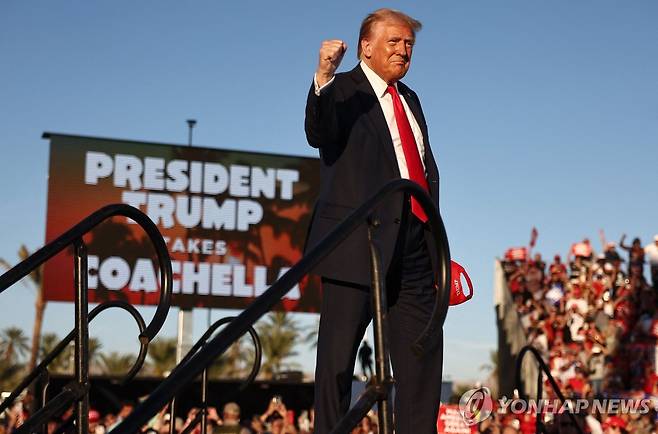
149	181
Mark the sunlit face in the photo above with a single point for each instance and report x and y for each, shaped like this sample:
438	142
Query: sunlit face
387	50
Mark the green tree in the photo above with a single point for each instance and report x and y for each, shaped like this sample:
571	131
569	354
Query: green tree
36	281
116	364
236	362
61	363
162	355
10	374
279	334
14	344
94	349
311	337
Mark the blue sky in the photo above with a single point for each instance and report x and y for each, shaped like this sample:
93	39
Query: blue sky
540	113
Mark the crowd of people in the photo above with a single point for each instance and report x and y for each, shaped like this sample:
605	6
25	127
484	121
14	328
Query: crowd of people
276	419
594	317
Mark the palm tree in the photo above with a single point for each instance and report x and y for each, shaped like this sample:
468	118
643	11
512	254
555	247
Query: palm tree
236	362
94	349
10	374
36	279
14	344
61	362
116	364
162	354
311	337
279	334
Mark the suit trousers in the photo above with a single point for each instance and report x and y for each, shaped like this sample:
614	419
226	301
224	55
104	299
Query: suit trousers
346	313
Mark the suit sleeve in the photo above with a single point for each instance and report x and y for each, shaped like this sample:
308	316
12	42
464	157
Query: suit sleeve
321	122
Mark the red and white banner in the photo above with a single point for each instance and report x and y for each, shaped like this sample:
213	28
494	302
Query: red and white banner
516	254
450	421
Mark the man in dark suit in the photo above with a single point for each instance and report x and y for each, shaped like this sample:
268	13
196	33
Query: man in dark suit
370	129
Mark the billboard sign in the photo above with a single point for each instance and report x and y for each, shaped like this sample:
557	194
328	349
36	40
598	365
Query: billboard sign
233	221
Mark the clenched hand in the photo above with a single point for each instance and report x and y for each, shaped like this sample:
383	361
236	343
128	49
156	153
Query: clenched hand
331	54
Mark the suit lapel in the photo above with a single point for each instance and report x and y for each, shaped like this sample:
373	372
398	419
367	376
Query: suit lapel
372	108
370	105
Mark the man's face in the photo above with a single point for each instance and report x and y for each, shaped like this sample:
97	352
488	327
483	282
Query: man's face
387	50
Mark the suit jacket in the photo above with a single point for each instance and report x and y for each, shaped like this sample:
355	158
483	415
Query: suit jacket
347	125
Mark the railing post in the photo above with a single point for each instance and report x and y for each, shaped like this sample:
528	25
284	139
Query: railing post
204	400
539	424
81	352
172	416
79	389
382	364
44	382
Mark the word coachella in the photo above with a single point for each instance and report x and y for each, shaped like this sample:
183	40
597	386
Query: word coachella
182	193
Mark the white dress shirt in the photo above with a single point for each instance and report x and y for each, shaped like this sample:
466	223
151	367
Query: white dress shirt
386	102
651	251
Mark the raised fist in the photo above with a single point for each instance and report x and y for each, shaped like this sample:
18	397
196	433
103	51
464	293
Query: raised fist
331	53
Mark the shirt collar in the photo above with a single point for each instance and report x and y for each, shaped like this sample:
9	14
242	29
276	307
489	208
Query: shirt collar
377	83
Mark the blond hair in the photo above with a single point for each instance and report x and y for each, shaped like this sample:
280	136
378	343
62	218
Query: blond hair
385	14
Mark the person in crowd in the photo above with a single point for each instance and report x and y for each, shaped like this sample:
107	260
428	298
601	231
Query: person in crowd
277	418
305	422
597	324
365	358
651	252
256	426
95	423
230	420
635	251
191	416
557	270
610	253
581	250
126	408
614	425
366	426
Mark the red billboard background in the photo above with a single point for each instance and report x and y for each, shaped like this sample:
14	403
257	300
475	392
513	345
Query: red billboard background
233	221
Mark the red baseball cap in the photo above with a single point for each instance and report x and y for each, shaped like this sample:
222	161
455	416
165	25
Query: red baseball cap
94	416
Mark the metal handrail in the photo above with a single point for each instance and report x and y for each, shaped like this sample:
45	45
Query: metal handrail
234	330
543	368
42	367
203	413
69	237
203	340
78	391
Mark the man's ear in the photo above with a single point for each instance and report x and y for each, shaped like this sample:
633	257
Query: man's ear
366	48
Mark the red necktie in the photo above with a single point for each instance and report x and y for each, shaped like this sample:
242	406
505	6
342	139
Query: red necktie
410	149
